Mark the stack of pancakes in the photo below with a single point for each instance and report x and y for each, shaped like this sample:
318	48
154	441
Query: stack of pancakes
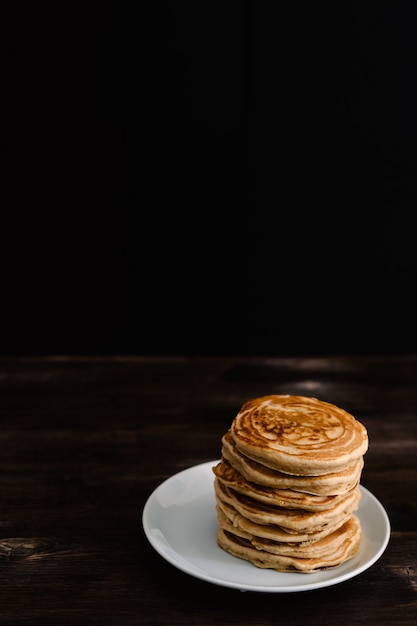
287	484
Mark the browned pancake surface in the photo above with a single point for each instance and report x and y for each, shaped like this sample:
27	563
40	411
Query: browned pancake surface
287	498
287	484
298	435
334	483
292	520
344	548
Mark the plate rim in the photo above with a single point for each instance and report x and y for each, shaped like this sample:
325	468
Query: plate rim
192	570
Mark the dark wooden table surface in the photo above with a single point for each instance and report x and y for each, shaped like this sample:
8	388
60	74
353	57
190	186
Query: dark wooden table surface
85	441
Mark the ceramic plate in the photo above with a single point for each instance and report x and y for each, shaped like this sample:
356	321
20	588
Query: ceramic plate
180	522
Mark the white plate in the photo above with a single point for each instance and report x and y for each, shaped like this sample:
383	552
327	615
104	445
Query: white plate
180	522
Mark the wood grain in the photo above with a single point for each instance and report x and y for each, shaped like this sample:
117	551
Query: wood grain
84	441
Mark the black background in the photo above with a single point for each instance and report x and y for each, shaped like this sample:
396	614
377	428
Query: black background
209	178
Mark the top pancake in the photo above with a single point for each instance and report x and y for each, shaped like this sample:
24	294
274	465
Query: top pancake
298	435
331	484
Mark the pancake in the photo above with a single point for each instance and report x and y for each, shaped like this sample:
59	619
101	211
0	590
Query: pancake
246	528
334	483
287	484
344	546
287	498
320	546
298	435
292	520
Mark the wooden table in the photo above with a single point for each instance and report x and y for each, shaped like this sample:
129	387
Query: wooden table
85	441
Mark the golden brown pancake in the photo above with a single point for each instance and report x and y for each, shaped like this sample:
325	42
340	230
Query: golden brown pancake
318	546
334	483
229	518
298	435
287	498
344	546
287	484
292	520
